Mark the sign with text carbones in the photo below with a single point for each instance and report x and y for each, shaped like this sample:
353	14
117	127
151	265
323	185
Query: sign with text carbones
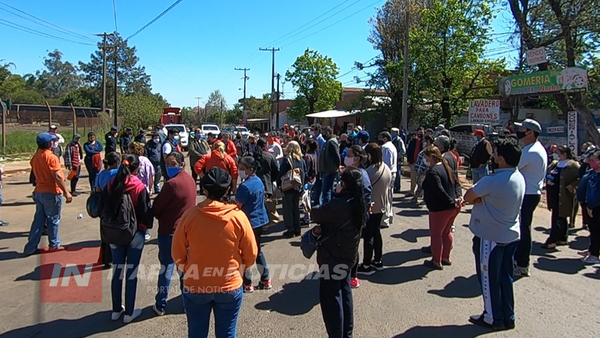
484	111
572	132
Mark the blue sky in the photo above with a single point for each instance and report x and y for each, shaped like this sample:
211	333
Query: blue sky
193	49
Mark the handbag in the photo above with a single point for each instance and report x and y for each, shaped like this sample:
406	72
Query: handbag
291	179
311	240
92	204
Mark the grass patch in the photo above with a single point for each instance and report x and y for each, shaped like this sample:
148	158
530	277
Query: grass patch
21	142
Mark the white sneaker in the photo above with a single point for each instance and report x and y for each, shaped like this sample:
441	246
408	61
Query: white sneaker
158	312
520	271
117	315
147	237
136	313
590	260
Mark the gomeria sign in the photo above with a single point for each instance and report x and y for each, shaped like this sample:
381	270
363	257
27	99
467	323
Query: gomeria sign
484	111
545	82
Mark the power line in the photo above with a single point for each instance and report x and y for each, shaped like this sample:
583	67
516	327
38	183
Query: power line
115	14
36	32
42	22
335	23
154	20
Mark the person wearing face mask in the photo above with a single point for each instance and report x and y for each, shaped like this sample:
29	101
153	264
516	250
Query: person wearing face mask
170	145
177	196
533	166
350	130
480	155
329	164
250	198
412	153
561	181
153	153
315	132
197	148
399	144
421	166
588	194
125	140
390	158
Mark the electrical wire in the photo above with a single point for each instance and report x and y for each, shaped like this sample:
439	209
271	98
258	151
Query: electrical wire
115	14
42	22
36	32
154	20
335	23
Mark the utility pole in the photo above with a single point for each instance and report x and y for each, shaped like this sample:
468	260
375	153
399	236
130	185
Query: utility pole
272	50
405	74
198	109
245	112
278	98
104	47
116	122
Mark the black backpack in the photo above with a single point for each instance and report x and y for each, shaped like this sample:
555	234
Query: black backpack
119	226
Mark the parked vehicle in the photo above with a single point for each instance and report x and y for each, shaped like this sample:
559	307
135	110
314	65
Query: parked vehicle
183	133
206	128
171	115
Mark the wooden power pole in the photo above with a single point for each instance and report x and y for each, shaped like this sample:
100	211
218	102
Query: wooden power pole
272	50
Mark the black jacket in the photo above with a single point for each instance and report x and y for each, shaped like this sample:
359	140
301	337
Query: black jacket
479	154
125	141
439	191
285	167
342	247
153	152
412	147
268	172
110	143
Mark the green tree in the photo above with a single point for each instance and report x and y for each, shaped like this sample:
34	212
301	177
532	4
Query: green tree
132	78
59	78
82	97
193	116
216	107
314	77
141	110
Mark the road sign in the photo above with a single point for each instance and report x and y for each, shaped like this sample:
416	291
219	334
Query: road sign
484	111
536	56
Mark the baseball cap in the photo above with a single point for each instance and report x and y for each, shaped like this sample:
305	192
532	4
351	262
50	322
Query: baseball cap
396	130
530	124
53	127
363	135
45	138
114	128
440	127
479	132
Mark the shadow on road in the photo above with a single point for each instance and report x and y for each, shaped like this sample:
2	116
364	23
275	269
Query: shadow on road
411	235
537	250
569	266
543	230
463	331
17	203
93	324
295	298
398	275
397	258
580	243
413	213
460	287
594	275
9	235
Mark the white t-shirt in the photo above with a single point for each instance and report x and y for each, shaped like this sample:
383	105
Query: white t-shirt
167	148
276	149
497	218
532	165
390	156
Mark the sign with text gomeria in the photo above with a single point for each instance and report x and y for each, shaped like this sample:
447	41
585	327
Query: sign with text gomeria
484	111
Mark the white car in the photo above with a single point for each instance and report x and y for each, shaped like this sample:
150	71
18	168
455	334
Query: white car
243	130
207	128
183	133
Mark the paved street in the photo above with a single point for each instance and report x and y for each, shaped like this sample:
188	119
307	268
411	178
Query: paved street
405	300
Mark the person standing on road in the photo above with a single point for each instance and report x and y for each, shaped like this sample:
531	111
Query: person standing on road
218	158
170	145
197	147
73	159
268	173
329	164
161	133
390	158
250	198
140	137
153	153
589	194
50	185
533	166
126	258
216	236
414	148
561	182
93	159
440	187
177	196
230	147
399	144
341	221
111	161
291	198
480	155
57	145
494	223
125	140
420	169
145	173
111	141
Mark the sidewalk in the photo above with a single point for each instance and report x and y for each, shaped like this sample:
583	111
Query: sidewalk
16	167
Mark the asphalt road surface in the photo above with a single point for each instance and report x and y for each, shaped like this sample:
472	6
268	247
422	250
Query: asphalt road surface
560	299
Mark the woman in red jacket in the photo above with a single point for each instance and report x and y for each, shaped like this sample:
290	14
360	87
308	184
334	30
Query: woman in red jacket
218	158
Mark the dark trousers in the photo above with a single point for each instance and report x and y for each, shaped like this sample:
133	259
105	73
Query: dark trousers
315	198
157	176
594	228
558	229
105	253
92	171
523	252
494	265
372	240
335	296
291	213
398	176
261	262
75	179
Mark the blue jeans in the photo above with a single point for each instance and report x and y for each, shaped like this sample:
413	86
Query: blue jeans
261	262
226	305
478	173
126	259
494	265
92	171
48	208
166	270
327	186
335	296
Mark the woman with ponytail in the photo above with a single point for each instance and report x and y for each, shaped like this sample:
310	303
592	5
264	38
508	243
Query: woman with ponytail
218	157
127	257
440	188
341	221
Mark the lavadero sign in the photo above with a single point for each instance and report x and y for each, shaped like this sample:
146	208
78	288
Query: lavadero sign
545	82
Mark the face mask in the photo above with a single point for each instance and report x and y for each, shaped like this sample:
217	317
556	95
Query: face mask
380	142
243	174
173	171
312	133
555	156
349	161
394	135
349	131
520	134
420	135
594	165
156	140
176	139
475	138
425	162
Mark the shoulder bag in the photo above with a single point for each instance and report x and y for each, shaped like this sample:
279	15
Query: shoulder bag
291	179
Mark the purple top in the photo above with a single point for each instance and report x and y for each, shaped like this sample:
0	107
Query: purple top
146	171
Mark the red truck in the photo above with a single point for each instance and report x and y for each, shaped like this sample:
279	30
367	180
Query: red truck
171	115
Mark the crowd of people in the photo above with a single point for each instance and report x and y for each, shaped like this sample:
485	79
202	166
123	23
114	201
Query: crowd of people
344	183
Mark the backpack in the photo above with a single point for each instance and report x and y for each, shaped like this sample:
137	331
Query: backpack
119	226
